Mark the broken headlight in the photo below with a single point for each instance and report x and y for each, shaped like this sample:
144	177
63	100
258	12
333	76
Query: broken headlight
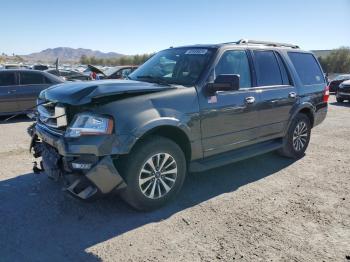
90	124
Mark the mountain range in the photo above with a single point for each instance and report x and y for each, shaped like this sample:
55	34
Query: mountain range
67	54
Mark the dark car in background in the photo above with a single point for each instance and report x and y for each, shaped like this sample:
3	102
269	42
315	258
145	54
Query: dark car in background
40	67
19	88
68	75
343	92
334	84
116	72
13	66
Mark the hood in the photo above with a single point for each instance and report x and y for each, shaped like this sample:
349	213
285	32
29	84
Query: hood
79	93
96	70
346	82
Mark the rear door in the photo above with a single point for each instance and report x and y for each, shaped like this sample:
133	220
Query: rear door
30	85
278	94
8	81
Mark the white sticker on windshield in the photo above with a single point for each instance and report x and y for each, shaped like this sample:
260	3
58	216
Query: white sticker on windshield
200	51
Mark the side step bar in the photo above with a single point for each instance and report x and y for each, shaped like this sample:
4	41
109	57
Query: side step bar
235	155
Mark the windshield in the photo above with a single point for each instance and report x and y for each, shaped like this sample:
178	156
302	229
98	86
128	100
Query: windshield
181	66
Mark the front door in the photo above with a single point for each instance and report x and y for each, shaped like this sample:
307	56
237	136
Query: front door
229	119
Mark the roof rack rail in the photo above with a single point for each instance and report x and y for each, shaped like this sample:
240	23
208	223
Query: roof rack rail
275	44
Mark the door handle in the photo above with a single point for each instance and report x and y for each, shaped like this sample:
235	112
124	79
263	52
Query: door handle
250	100
292	95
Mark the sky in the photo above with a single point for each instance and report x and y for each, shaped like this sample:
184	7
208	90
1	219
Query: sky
146	26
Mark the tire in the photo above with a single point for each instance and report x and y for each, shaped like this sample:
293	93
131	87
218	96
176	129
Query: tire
152	188
297	138
338	98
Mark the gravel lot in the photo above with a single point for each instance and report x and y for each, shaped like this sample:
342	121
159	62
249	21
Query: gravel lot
263	209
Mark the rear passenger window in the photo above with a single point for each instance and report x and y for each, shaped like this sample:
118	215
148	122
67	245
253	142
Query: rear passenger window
235	62
268	71
307	68
7	79
28	78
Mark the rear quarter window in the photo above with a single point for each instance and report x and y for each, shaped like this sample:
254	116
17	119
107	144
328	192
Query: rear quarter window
307	68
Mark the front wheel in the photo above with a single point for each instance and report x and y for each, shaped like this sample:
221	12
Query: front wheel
297	138
154	173
338	98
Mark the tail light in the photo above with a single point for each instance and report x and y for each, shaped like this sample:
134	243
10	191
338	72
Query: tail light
326	94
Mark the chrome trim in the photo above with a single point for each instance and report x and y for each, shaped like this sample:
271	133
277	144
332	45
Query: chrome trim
55	118
249	100
292	95
44	112
60	114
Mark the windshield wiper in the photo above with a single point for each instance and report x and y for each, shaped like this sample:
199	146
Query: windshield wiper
154	79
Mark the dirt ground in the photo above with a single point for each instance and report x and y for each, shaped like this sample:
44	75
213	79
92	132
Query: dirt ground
263	209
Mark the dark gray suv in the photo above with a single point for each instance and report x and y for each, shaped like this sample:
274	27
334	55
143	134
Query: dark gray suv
189	108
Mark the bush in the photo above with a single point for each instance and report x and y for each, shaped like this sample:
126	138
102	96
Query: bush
338	61
124	60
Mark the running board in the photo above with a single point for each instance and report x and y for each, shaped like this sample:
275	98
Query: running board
235	155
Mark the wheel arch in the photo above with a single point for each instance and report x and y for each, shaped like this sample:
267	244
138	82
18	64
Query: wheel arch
307	109
172	130
309	113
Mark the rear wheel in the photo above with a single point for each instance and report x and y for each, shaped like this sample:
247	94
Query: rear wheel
154	173
297	138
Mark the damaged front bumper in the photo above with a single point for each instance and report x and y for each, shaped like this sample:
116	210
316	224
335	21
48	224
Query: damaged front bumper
86	166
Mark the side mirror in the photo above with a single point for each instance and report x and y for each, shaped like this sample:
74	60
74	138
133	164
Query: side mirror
225	82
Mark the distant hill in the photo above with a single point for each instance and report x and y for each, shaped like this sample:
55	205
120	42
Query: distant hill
66	54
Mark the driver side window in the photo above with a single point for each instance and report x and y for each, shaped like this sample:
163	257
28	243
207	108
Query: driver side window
235	62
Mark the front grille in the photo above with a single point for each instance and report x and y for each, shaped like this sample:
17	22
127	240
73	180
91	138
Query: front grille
52	115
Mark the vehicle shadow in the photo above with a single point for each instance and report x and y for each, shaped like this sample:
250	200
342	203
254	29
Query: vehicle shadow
41	223
344	104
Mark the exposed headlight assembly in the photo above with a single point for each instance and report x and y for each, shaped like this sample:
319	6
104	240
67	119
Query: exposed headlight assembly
87	124
341	86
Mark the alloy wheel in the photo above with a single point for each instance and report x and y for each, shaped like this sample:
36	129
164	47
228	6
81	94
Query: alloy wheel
300	136
158	175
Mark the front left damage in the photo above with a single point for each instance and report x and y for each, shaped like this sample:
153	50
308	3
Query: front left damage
86	175
89	164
